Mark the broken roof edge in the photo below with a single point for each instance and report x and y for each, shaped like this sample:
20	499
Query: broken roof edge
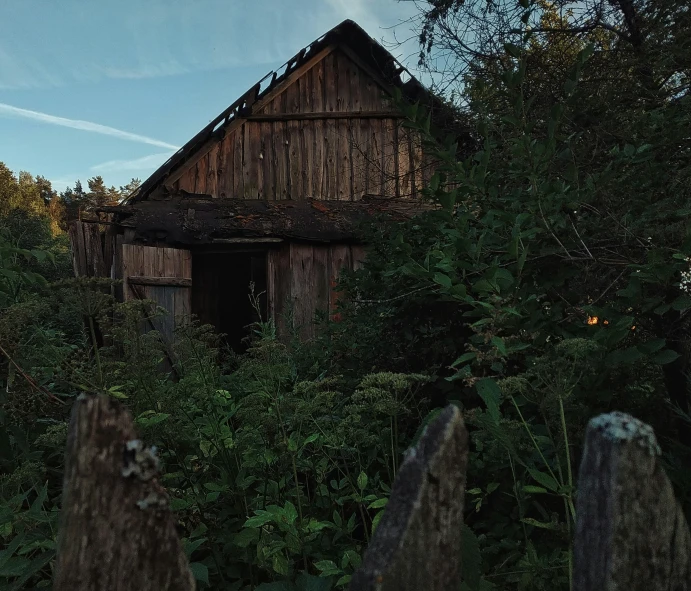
347	33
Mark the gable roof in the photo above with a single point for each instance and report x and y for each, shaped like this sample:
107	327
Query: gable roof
347	34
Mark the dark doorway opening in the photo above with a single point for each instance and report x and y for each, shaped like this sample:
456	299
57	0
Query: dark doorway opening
221	284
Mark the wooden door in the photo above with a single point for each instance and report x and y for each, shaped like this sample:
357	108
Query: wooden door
163	275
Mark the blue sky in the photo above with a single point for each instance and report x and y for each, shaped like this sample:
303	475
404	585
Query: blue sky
111	87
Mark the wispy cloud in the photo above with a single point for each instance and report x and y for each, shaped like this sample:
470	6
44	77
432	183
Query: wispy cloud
10	111
144	163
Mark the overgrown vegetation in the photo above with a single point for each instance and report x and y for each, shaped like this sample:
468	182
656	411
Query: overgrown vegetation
551	285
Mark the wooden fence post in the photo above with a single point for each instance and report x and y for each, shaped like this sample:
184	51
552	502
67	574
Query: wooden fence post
631	533
116	531
418	542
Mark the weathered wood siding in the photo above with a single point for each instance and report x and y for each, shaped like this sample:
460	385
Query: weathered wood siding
303	280
290	148
173	266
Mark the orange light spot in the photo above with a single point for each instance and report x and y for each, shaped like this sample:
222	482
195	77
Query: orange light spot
605	322
593	320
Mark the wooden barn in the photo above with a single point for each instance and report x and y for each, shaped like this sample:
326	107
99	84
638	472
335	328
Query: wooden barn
271	192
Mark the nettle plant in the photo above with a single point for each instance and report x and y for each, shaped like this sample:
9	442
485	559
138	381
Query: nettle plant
279	481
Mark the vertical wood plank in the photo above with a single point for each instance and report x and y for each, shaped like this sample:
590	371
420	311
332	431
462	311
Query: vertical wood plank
211	176
223	169
307	134
268	187
390	153
416	162
202	169
238	165
320	278
279	288
358	255
302	288
317	163
251	168
295	164
340	258
404	188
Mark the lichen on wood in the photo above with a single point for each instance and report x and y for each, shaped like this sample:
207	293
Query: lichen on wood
418	542
116	531
631	533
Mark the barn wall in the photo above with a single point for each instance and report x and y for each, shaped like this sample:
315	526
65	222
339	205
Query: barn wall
278	153
302	280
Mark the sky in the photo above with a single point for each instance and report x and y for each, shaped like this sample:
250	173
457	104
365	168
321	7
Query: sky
114	87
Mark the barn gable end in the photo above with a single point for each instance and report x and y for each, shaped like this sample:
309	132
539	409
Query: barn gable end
329	132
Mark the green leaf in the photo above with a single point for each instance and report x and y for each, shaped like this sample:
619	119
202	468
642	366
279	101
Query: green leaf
307	582
443	280
664	357
327	568
362	481
463	358
490	393
262	518
246	536
534	489
200	572
32	568
280	564
290	512
276	586
544	479
378	504
471	559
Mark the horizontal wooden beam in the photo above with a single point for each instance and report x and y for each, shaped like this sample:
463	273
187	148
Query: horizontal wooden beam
326	115
161	281
266	240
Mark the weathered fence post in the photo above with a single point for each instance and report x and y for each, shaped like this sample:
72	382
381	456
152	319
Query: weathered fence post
116	531
418	542
631	533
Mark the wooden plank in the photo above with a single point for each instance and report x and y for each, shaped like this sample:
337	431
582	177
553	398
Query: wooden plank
111	490
295	163
358	255
631	532
224	169
212	173
390	154
238	164
340	259
403	172
250	165
76	233
279	288
374	158
302	288
417	544
416	162
307	134
320	283
330	131
161	281
267	190
317	164
202	170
